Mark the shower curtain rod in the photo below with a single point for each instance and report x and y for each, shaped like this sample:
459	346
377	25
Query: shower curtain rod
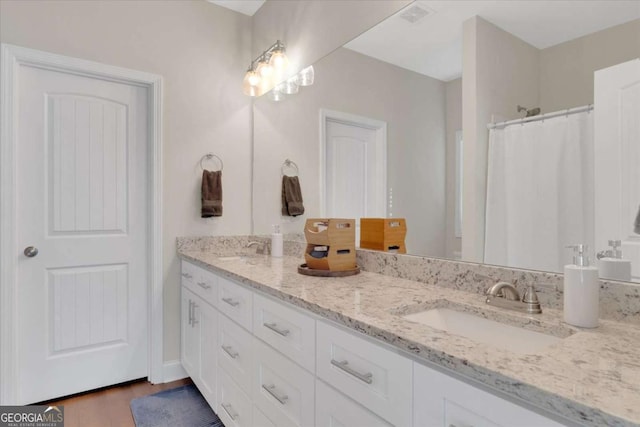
501	125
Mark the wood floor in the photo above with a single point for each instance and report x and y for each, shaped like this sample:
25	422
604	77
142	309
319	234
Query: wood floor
108	407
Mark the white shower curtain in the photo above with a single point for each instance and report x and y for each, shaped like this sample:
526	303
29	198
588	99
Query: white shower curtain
540	192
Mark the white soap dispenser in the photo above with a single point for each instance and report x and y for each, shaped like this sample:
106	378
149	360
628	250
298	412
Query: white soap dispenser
612	265
276	242
581	290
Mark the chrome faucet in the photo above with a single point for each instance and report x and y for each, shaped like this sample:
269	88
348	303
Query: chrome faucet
505	295
262	248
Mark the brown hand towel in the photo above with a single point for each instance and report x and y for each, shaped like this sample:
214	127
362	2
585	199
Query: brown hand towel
291	196
211	193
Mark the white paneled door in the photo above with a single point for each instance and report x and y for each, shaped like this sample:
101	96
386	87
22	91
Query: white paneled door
617	159
81	203
355	175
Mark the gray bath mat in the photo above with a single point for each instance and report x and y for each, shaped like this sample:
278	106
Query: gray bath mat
178	407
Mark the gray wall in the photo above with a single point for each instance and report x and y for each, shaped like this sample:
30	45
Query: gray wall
313	29
566	70
500	71
413	106
453	244
200	49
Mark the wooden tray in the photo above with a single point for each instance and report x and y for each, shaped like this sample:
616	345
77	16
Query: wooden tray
304	269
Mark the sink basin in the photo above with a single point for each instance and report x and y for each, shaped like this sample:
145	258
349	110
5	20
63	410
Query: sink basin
232	258
479	329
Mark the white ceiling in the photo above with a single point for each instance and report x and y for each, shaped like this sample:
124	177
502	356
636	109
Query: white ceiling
433	45
247	7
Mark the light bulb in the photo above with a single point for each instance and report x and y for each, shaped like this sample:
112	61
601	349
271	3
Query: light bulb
306	76
254	79
251	84
265	70
279	61
279	64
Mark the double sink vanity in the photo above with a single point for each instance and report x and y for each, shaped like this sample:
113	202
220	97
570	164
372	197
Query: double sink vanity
267	346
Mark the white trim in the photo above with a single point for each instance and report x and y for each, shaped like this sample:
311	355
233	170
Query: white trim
173	371
378	126
12	57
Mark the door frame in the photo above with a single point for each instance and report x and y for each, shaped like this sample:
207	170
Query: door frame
378	126
12	58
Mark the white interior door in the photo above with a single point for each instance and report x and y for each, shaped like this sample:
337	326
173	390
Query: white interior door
617	158
355	172
82	202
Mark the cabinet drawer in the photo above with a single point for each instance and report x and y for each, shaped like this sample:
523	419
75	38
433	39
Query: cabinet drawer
188	273
235	352
260	419
458	416
442	400
281	389
379	379
235	408
235	301
286	329
200	281
334	409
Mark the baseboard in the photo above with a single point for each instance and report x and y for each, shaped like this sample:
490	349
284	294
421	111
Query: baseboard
172	371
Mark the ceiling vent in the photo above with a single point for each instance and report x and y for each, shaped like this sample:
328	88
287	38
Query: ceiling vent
415	13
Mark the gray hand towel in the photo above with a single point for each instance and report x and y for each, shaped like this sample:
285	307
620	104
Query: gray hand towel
291	196
636	226
211	193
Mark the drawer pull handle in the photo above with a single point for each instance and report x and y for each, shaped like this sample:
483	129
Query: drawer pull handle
187	276
203	285
194	321
344	365
229	350
271	389
274	328
229	410
231	302
190	313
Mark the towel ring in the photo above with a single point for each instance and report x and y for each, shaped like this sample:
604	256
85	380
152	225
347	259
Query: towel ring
289	164
210	156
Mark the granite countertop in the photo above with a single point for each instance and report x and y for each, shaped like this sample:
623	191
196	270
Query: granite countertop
591	376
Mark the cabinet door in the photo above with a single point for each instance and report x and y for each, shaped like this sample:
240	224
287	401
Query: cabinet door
333	409
190	341
440	400
207	318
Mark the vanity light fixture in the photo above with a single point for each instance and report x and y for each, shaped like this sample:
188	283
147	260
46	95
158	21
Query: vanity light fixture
268	72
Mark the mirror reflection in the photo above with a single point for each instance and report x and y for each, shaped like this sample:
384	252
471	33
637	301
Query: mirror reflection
501	131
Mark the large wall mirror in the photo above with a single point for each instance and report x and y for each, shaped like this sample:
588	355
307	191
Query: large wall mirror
397	124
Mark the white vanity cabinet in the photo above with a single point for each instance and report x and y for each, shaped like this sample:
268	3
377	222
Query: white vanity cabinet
199	342
440	400
264	363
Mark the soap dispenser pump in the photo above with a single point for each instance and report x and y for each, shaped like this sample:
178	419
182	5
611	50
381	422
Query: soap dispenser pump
581	290
612	265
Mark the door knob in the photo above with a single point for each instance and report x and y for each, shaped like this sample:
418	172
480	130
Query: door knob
31	251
